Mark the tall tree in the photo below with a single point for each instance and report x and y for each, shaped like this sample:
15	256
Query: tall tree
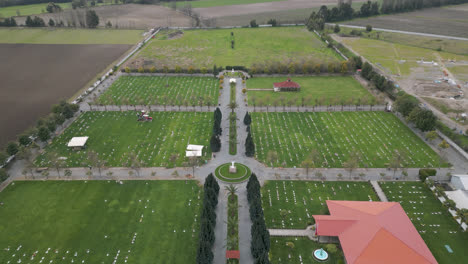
92	19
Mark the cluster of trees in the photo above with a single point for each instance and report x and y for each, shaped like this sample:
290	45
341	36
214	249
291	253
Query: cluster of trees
8	22
260	245
302	67
398	6
409	107
35	22
53	8
215	142
380	82
208	221
249	144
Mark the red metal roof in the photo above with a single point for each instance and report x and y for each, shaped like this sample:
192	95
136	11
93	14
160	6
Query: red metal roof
374	232
286	84
232	254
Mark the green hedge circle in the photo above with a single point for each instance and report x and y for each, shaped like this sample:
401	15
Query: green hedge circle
242	174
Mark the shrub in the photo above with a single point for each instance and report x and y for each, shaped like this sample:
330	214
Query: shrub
244	90
141	70
253	23
178	69
368	28
12	148
153	69
424	173
3	175
127	70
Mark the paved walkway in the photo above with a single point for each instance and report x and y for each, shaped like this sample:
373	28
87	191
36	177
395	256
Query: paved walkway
293	233
378	190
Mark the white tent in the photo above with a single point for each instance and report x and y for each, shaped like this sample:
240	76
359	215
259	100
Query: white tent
459	197
77	142
194	151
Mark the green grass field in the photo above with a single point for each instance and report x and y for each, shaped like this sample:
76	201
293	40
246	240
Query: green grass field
375	135
152	90
302	199
303	247
69	36
99	222
319	90
35	9
117	136
434	223
211	3
396	58
204	48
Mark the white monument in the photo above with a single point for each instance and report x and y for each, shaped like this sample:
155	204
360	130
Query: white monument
232	168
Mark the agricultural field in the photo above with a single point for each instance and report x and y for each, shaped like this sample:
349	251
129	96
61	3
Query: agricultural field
396	58
99	222
319	90
154	90
302	252
447	20
291	204
204	48
69	36
26	10
211	3
374	136
29	88
119	139
433	221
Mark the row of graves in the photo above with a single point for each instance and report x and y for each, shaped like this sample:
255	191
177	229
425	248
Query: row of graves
375	135
157	90
291	204
116	136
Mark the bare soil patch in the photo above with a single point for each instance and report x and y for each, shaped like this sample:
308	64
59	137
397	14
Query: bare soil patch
35	76
449	21
131	16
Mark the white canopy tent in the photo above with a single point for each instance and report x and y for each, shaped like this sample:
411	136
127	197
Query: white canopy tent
194	151
77	142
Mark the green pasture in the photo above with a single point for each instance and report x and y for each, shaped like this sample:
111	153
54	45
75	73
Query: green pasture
303	247
299	200
99	222
155	90
204	48
35	9
374	136
433	221
318	90
396	58
119	139
69	36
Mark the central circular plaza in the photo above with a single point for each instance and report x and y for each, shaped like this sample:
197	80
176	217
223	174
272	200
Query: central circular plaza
242	173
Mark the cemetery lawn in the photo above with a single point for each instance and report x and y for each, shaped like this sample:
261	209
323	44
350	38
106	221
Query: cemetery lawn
319	90
141	220
374	135
117	137
204	48
303	247
302	199
433	221
152	90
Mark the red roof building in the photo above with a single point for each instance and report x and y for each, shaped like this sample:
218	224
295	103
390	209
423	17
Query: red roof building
373	232
287	85
232	254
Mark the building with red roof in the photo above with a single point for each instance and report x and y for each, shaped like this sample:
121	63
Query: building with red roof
373	232
232	254
287	85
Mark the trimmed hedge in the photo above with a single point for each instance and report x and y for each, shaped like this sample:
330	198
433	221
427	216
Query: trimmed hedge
424	173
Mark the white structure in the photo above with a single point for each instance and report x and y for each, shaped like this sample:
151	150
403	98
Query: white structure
232	168
232	80
194	151
77	142
460	195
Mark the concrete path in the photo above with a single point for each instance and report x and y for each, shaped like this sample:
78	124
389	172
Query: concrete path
378	190
293	233
337	108
219	248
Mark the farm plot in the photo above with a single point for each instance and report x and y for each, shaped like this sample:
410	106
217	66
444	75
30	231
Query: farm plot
374	136
302	251
434	223
204	48
119	139
320	90
153	90
291	204
100	222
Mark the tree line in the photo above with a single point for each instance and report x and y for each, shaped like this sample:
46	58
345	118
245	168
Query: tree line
5	3
409	107
89	20
208	221
260	244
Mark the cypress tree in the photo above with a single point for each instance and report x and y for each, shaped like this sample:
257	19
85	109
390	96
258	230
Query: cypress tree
249	146
247	119
215	143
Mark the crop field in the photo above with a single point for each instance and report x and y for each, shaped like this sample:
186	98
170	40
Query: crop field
373	135
69	36
303	251
100	222
434	223
30	85
154	90
396	58
204	48
320	90
301	199
447	20
118	138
